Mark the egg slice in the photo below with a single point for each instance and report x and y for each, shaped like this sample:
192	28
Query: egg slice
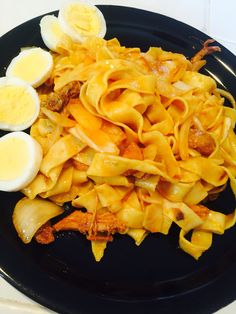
19	104
51	32
33	65
81	20
20	159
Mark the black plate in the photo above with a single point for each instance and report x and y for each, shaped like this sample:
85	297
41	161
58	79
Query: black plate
156	277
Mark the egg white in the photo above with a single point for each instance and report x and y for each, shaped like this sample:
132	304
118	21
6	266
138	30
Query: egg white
4	82
51	39
30	169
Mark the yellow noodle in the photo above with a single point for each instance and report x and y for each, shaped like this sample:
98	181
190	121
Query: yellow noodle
122	146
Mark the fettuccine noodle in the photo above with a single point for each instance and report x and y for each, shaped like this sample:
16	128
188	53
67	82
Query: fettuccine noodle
147	139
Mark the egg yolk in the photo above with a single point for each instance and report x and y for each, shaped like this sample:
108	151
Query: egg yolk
13	156
83	19
16	105
27	68
56	30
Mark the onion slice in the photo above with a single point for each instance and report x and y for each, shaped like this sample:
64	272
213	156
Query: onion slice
29	215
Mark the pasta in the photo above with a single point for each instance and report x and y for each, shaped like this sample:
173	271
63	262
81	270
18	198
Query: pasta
147	139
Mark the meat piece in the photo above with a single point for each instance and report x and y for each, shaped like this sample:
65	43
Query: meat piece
201	141
98	227
200	210
206	50
56	101
45	235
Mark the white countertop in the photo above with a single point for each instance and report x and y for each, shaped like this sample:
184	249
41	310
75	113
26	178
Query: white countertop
214	17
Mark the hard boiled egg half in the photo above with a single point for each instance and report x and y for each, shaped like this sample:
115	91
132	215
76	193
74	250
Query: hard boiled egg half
76	20
19	104
81	20
20	159
51	32
33	65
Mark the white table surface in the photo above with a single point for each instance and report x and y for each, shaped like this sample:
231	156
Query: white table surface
214	17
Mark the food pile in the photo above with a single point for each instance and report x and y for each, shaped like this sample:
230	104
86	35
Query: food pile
134	141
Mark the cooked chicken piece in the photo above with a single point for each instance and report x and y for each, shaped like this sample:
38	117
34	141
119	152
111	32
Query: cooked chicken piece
200	210
98	227
206	50
201	141
45	234
56	101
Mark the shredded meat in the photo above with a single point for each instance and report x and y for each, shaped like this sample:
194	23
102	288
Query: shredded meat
98	227
56	101
45	235
206	50
201	141
200	210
